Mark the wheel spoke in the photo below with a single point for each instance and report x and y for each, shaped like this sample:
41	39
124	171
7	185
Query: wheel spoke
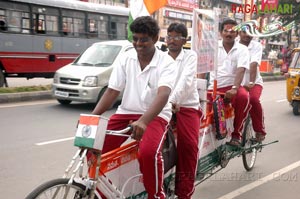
58	189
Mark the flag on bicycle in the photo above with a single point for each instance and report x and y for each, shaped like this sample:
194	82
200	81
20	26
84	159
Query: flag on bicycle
143	8
91	131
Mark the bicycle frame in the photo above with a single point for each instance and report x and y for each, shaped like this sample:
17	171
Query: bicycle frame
118	176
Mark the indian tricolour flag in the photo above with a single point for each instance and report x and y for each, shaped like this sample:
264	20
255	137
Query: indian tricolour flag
91	131
143	8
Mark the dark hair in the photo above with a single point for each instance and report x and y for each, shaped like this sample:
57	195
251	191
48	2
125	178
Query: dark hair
179	28
227	21
145	25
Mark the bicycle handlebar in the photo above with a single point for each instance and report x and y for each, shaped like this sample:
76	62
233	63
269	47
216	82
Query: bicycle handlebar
120	132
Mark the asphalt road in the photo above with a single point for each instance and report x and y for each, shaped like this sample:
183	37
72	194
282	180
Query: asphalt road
36	146
277	170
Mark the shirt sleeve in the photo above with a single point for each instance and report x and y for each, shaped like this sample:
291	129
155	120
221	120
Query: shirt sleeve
256	54
167	72
118	75
186	78
243	57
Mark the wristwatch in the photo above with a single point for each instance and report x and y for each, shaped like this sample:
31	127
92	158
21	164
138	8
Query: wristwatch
234	87
251	83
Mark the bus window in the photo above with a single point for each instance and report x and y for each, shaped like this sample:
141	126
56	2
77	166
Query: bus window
103	30
93	28
52	24
118	27
25	23
79	27
73	26
39	23
73	23
113	29
45	20
11	16
98	26
3	25
67	26
14	21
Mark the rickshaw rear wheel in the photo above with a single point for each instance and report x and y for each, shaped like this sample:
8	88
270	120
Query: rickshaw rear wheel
249	156
296	107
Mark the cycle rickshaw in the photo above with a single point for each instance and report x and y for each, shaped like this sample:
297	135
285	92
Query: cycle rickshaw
116	175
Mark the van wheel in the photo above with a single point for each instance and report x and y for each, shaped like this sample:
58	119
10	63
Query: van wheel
296	107
64	102
1	78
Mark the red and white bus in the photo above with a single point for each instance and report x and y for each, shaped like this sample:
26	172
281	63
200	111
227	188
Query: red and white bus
37	37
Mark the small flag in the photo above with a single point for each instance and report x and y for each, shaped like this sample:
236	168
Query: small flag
143	8
91	131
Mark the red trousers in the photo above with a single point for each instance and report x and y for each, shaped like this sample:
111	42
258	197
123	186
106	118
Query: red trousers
150	147
241	105
187	125
256	111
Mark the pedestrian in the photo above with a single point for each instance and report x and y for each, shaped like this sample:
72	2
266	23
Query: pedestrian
186	108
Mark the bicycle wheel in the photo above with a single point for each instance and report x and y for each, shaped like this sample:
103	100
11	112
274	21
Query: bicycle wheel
249	156
59	189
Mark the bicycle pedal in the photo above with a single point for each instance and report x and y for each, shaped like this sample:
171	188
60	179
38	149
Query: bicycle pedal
254	141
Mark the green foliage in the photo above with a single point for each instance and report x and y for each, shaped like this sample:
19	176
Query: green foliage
25	89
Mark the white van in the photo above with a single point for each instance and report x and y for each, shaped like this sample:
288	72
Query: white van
86	79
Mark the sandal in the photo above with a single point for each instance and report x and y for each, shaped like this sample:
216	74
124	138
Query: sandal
259	137
234	142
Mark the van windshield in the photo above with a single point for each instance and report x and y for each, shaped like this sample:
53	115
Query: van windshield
99	55
296	60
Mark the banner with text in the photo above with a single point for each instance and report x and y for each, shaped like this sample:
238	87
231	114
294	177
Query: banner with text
205	39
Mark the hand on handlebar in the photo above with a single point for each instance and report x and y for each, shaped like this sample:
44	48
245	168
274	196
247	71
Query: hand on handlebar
138	129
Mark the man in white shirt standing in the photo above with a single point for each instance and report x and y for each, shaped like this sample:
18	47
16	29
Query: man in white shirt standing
233	60
254	83
186	107
146	75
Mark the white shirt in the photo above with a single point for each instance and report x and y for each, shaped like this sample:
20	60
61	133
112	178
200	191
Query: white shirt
185	93
255	51
140	87
237	57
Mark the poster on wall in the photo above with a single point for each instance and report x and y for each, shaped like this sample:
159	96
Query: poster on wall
205	39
